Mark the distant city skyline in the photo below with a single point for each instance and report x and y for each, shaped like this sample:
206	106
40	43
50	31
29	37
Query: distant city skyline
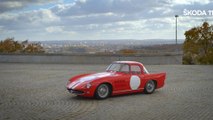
39	20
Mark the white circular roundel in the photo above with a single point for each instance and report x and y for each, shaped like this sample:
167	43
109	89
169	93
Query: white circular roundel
135	82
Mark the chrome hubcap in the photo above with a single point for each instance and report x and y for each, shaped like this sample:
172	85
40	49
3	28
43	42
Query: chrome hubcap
150	86
103	91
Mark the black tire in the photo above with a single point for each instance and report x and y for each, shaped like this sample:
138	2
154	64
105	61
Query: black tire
102	91
150	87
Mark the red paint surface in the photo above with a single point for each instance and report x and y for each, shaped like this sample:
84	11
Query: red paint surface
118	80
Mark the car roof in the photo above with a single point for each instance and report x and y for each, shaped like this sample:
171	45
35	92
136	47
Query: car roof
128	62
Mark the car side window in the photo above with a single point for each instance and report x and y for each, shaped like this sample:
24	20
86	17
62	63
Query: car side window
135	69
125	68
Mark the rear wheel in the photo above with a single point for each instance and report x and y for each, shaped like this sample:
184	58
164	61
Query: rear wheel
150	87
102	91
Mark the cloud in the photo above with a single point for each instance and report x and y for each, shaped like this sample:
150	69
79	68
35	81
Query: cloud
9	5
82	12
97	19
86	7
190	2
28	20
54	29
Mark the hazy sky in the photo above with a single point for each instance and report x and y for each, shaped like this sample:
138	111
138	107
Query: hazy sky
100	19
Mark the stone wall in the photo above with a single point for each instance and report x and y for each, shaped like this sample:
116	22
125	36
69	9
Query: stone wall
89	59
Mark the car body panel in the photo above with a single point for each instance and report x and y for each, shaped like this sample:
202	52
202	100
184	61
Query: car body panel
120	82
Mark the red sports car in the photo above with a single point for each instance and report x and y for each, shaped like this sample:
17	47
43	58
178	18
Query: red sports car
121	77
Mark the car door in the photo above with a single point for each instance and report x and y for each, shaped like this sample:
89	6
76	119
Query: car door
136	77
121	83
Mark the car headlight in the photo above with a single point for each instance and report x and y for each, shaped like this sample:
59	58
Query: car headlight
88	85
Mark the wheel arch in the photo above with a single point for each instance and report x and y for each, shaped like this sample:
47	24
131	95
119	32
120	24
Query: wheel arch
156	83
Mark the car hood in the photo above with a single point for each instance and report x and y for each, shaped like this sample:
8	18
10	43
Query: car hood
89	77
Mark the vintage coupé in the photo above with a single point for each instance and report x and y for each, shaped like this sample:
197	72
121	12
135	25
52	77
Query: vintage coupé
121	77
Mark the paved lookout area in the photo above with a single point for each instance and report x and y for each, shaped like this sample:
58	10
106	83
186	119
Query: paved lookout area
37	91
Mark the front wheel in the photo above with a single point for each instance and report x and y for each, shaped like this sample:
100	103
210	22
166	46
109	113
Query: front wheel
150	87
102	91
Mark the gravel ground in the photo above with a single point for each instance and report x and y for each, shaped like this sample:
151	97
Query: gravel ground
37	91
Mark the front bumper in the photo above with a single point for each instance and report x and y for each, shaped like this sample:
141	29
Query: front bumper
77	92
81	89
82	92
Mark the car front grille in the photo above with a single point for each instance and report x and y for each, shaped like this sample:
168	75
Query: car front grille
78	92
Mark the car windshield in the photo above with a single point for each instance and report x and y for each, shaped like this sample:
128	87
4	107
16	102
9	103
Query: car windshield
117	67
